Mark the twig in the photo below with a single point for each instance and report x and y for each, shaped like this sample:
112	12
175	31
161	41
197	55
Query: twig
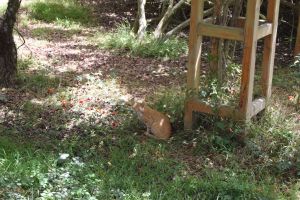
21	36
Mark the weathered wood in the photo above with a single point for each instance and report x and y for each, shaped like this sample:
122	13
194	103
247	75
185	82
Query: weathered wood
240	22
194	60
222	111
264	30
248	69
251	32
258	105
269	48
297	45
195	45
224	32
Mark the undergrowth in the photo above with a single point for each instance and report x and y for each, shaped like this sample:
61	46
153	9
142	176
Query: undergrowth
65	12
123	39
122	168
84	142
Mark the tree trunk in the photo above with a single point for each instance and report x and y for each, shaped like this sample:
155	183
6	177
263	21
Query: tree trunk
230	46
215	42
186	23
219	57
171	10
8	50
142	19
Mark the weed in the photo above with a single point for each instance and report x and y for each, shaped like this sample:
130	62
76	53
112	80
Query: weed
66	12
171	102
276	136
25	64
216	93
125	169
53	33
37	82
123	39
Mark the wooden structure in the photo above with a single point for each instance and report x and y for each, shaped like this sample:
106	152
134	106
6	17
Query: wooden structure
250	32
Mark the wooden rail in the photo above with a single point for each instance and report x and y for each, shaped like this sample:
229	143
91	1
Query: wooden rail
222	111
257	106
218	31
264	30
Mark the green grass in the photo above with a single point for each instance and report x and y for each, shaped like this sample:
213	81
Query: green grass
66	12
122	168
122	39
108	162
37	81
52	33
116	163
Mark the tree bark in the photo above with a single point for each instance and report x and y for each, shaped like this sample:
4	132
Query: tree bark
142	21
171	10
186	23
8	50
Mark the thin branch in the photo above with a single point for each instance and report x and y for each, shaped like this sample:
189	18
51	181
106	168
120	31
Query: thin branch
22	37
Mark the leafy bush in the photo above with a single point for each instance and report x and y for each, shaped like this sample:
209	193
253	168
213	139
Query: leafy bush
123	39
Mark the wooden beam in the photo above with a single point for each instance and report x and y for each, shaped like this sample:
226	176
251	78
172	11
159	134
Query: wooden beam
264	30
269	49
222	111
195	45
258	105
240	22
194	59
249	57
223	32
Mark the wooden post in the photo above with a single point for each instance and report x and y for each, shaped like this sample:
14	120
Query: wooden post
269	49
247	83
194	60
195	45
297	46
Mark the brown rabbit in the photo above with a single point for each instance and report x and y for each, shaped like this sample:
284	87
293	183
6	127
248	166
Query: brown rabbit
157	123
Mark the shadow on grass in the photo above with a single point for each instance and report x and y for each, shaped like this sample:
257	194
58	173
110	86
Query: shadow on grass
107	143
125	164
54	34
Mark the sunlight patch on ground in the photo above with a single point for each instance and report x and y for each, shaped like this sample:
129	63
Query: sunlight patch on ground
92	99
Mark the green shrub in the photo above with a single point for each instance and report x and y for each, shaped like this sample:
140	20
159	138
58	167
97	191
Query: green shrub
124	40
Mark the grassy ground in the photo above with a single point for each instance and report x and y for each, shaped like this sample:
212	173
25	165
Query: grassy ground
66	131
